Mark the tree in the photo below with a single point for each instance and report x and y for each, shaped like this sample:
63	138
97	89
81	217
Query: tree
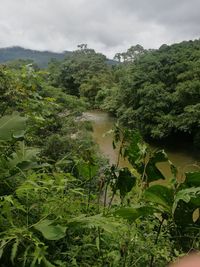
160	91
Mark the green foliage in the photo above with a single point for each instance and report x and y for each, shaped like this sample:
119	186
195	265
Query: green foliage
133	213
152	171
83	73
12	126
125	182
24	157
159	91
132	54
192	179
176	203
61	204
50	231
161	195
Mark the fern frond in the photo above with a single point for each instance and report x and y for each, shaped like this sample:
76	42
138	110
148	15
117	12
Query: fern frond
14	251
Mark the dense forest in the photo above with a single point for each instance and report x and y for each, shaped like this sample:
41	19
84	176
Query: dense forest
155	91
62	203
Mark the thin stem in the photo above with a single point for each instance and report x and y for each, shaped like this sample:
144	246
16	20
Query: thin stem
156	241
105	197
111	200
144	171
27	211
89	190
119	154
99	237
98	200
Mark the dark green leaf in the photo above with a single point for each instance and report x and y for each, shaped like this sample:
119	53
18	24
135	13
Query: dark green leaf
125	182
192	179
152	171
50	231
131	214
14	251
160	195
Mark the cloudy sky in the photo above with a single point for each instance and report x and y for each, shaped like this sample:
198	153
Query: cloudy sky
108	26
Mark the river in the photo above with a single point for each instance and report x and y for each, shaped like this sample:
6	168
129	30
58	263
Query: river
182	155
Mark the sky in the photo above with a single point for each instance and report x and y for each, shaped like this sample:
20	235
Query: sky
108	26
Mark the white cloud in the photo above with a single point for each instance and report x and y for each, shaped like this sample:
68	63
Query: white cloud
106	25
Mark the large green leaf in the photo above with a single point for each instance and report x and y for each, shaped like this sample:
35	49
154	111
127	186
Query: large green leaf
125	181
192	179
152	171
187	201
12	126
50	231
24	157
87	170
133	151
188	195
161	196
131	214
108	224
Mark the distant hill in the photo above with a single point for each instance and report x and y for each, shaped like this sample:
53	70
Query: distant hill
41	58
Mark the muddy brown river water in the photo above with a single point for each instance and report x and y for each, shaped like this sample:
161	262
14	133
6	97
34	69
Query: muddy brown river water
182	156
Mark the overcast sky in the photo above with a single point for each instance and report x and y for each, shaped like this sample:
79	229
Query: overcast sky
108	26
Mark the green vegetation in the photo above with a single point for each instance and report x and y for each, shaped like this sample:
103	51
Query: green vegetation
41	58
155	91
61	203
83	73
159	92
